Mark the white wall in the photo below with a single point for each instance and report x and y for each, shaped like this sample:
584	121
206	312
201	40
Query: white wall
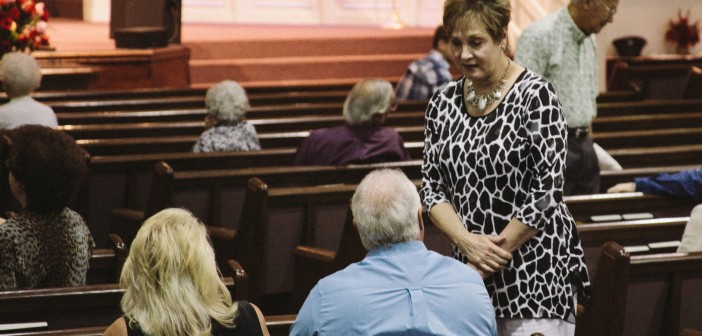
648	19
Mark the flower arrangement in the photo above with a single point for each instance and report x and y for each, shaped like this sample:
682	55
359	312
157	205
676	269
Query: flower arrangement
22	25
682	33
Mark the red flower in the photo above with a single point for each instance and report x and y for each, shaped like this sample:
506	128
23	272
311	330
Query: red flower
6	23
28	6
682	32
45	15
14	13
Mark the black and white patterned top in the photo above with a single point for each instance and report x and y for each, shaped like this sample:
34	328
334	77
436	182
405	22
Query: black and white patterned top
39	250
228	136
509	164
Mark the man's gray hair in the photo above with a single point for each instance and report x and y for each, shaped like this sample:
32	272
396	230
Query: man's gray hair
367	98
20	74
385	207
227	101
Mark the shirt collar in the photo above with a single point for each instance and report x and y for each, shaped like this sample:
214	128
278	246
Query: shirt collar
398	248
438	57
571	28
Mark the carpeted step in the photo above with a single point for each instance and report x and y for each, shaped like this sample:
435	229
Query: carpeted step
300	68
325	46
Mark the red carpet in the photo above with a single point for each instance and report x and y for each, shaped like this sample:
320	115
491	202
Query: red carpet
269	54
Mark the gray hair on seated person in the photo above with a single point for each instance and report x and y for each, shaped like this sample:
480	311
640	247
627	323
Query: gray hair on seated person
367	98
227	101
385	207
20	74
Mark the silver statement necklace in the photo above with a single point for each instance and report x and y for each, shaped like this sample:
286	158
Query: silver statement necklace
483	101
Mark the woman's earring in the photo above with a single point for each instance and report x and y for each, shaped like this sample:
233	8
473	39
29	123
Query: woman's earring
503	47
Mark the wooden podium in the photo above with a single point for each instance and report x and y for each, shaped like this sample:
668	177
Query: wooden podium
150	14
115	69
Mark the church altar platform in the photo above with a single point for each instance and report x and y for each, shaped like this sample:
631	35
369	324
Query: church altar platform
84	57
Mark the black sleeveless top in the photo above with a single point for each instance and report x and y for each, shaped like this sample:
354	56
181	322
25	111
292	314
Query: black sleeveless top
246	324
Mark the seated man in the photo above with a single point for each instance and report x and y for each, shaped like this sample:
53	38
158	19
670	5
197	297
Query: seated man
687	184
362	139
423	77
400	287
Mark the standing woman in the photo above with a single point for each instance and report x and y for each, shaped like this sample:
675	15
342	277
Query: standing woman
494	155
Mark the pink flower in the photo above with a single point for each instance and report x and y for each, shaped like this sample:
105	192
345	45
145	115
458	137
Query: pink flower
8	2
40	8
41	27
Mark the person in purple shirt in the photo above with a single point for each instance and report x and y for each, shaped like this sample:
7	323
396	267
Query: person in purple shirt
400	287
363	138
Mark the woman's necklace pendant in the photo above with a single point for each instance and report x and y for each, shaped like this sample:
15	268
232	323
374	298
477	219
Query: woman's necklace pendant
482	104
483	101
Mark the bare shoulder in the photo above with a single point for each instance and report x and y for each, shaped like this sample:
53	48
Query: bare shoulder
118	328
261	320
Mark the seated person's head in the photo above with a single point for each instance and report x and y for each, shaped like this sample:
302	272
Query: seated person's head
20	74
386	209
369	102
46	168
440	42
171	277
226	101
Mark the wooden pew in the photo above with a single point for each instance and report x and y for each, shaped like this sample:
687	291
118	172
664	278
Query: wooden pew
216	195
693	83
277	325
106	264
273	220
662	81
76	307
583	207
128	178
647	121
657	156
654	294
627	232
654	106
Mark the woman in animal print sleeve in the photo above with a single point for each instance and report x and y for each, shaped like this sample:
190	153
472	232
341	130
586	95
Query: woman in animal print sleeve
494	156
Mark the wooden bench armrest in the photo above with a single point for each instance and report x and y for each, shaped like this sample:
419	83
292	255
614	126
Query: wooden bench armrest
241	280
690	332
315	253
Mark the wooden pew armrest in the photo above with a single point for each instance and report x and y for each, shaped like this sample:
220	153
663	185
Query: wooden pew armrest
241	280
315	253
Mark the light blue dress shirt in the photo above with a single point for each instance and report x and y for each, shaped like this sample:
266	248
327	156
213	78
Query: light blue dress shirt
403	289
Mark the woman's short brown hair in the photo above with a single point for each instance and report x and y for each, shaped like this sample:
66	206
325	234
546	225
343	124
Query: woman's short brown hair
493	14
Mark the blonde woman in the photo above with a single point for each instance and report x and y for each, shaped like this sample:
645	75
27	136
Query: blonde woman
173	286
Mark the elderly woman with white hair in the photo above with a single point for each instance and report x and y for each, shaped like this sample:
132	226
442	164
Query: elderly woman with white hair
21	75
226	128
363	138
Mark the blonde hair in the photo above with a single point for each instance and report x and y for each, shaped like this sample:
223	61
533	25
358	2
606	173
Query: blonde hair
172	283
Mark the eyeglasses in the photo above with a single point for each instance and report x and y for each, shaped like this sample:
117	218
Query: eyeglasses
610	11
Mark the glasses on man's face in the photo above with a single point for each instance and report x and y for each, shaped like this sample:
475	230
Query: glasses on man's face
610	11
